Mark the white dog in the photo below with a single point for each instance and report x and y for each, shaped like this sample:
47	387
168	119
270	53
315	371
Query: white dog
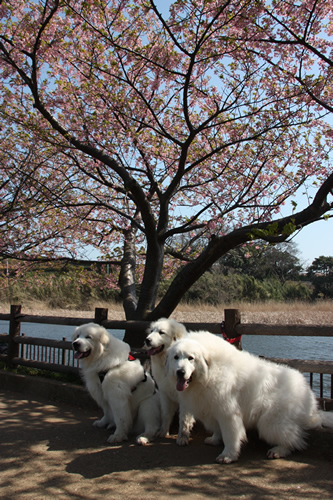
230	391
118	383
163	333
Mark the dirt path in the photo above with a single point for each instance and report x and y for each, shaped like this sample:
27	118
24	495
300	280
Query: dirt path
50	450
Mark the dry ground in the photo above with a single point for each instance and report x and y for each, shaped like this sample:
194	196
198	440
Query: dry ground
50	450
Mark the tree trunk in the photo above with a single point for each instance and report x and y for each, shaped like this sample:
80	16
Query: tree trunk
148	291
151	280
127	275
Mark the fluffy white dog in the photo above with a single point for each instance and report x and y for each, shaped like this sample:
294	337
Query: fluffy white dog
163	333
118	383
231	391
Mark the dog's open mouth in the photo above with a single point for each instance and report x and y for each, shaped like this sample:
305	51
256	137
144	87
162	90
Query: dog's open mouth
80	355
155	350
182	383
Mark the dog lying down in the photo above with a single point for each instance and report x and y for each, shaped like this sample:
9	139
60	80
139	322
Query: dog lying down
231	391
118	384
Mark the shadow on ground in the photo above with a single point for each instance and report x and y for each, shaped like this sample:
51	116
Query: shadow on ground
52	450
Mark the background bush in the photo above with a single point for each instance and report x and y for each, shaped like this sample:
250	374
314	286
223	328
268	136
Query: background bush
249	273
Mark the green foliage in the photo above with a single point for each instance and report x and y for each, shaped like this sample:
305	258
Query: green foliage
296	291
250	273
254	273
273	230
217	289
263	262
75	287
320	273
256	291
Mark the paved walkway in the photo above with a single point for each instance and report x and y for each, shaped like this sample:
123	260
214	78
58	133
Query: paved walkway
50	450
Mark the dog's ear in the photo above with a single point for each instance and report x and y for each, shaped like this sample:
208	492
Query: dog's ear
204	364
178	329
104	337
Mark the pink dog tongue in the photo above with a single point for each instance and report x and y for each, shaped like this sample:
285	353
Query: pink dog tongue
78	355
181	384
154	350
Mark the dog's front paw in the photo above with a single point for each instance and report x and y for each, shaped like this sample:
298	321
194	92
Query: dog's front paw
278	452
162	433
100	423
226	458
183	440
142	440
213	441
116	438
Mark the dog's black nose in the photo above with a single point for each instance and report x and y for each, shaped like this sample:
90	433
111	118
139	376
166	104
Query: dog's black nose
147	341
76	345
180	372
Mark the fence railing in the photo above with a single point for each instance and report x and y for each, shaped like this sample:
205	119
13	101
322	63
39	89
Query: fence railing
57	355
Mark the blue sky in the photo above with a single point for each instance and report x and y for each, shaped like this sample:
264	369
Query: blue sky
315	240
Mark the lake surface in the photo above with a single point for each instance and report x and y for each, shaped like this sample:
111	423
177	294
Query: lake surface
311	348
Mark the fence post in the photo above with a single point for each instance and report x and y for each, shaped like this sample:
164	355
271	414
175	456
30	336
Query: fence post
101	314
232	318
63	354
14	331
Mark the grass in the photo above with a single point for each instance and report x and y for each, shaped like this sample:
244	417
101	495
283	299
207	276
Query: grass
35	306
39	307
299	306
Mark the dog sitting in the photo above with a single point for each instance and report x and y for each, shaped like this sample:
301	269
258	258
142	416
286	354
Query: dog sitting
231	391
162	334
118	384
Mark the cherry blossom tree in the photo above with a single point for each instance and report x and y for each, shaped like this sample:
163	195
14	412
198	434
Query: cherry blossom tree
161	137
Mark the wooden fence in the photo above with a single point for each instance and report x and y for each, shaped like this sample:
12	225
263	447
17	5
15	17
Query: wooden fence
57	355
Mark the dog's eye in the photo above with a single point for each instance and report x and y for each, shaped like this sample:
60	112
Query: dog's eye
190	358
161	332
176	357
88	337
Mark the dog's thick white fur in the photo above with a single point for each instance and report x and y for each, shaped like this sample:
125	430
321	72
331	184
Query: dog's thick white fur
126	394
163	333
231	391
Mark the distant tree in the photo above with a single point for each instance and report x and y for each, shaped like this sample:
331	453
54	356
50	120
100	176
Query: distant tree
320	273
263	261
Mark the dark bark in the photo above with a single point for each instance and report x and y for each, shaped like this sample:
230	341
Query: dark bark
151	280
127	275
